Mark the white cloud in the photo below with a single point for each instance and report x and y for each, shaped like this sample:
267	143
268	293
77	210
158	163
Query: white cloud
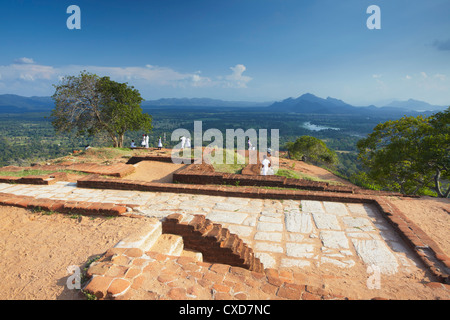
27	72
236	79
376	76
24	72
408	77
424	75
441	77
24	60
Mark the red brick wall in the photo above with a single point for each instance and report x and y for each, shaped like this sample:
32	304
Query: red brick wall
216	243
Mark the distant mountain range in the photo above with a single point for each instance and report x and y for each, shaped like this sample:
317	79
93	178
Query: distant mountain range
309	103
306	103
202	102
14	103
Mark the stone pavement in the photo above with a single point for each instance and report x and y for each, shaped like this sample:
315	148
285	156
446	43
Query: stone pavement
301	234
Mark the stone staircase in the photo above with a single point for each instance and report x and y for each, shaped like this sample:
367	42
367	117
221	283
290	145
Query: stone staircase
194	237
152	239
216	243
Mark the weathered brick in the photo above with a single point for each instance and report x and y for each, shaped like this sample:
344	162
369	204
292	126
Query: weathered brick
289	293
220	268
118	286
269	288
116	271
134	252
310	296
177	294
213	277
121	260
99	286
240	296
221	288
133	272
138	281
118	210
167	277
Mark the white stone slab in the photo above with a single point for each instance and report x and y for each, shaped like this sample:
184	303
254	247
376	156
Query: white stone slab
270	247
241	231
334	239
227	217
269	219
311	206
298	222
336	208
295	237
268	226
299	250
269	236
292	221
326	221
266	259
376	253
227	207
358	223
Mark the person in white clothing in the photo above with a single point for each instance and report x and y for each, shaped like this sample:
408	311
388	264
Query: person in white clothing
133	145
265	166
183	141
146	141
159	144
188	143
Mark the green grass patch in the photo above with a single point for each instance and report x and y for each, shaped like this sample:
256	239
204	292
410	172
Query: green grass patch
299	175
35	172
218	159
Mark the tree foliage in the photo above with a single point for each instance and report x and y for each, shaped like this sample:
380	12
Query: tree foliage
410	155
88	104
315	150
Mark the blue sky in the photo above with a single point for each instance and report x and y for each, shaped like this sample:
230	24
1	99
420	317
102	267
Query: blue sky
254	50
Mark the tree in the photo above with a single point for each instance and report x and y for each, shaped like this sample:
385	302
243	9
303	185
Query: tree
88	104
315	150
410	155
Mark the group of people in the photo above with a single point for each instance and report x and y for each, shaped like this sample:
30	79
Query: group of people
145	142
185	142
265	163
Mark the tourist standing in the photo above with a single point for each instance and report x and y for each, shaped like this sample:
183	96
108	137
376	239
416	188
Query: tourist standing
265	166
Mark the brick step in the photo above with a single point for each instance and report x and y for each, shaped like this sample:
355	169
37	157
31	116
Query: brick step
144	239
168	244
197	256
